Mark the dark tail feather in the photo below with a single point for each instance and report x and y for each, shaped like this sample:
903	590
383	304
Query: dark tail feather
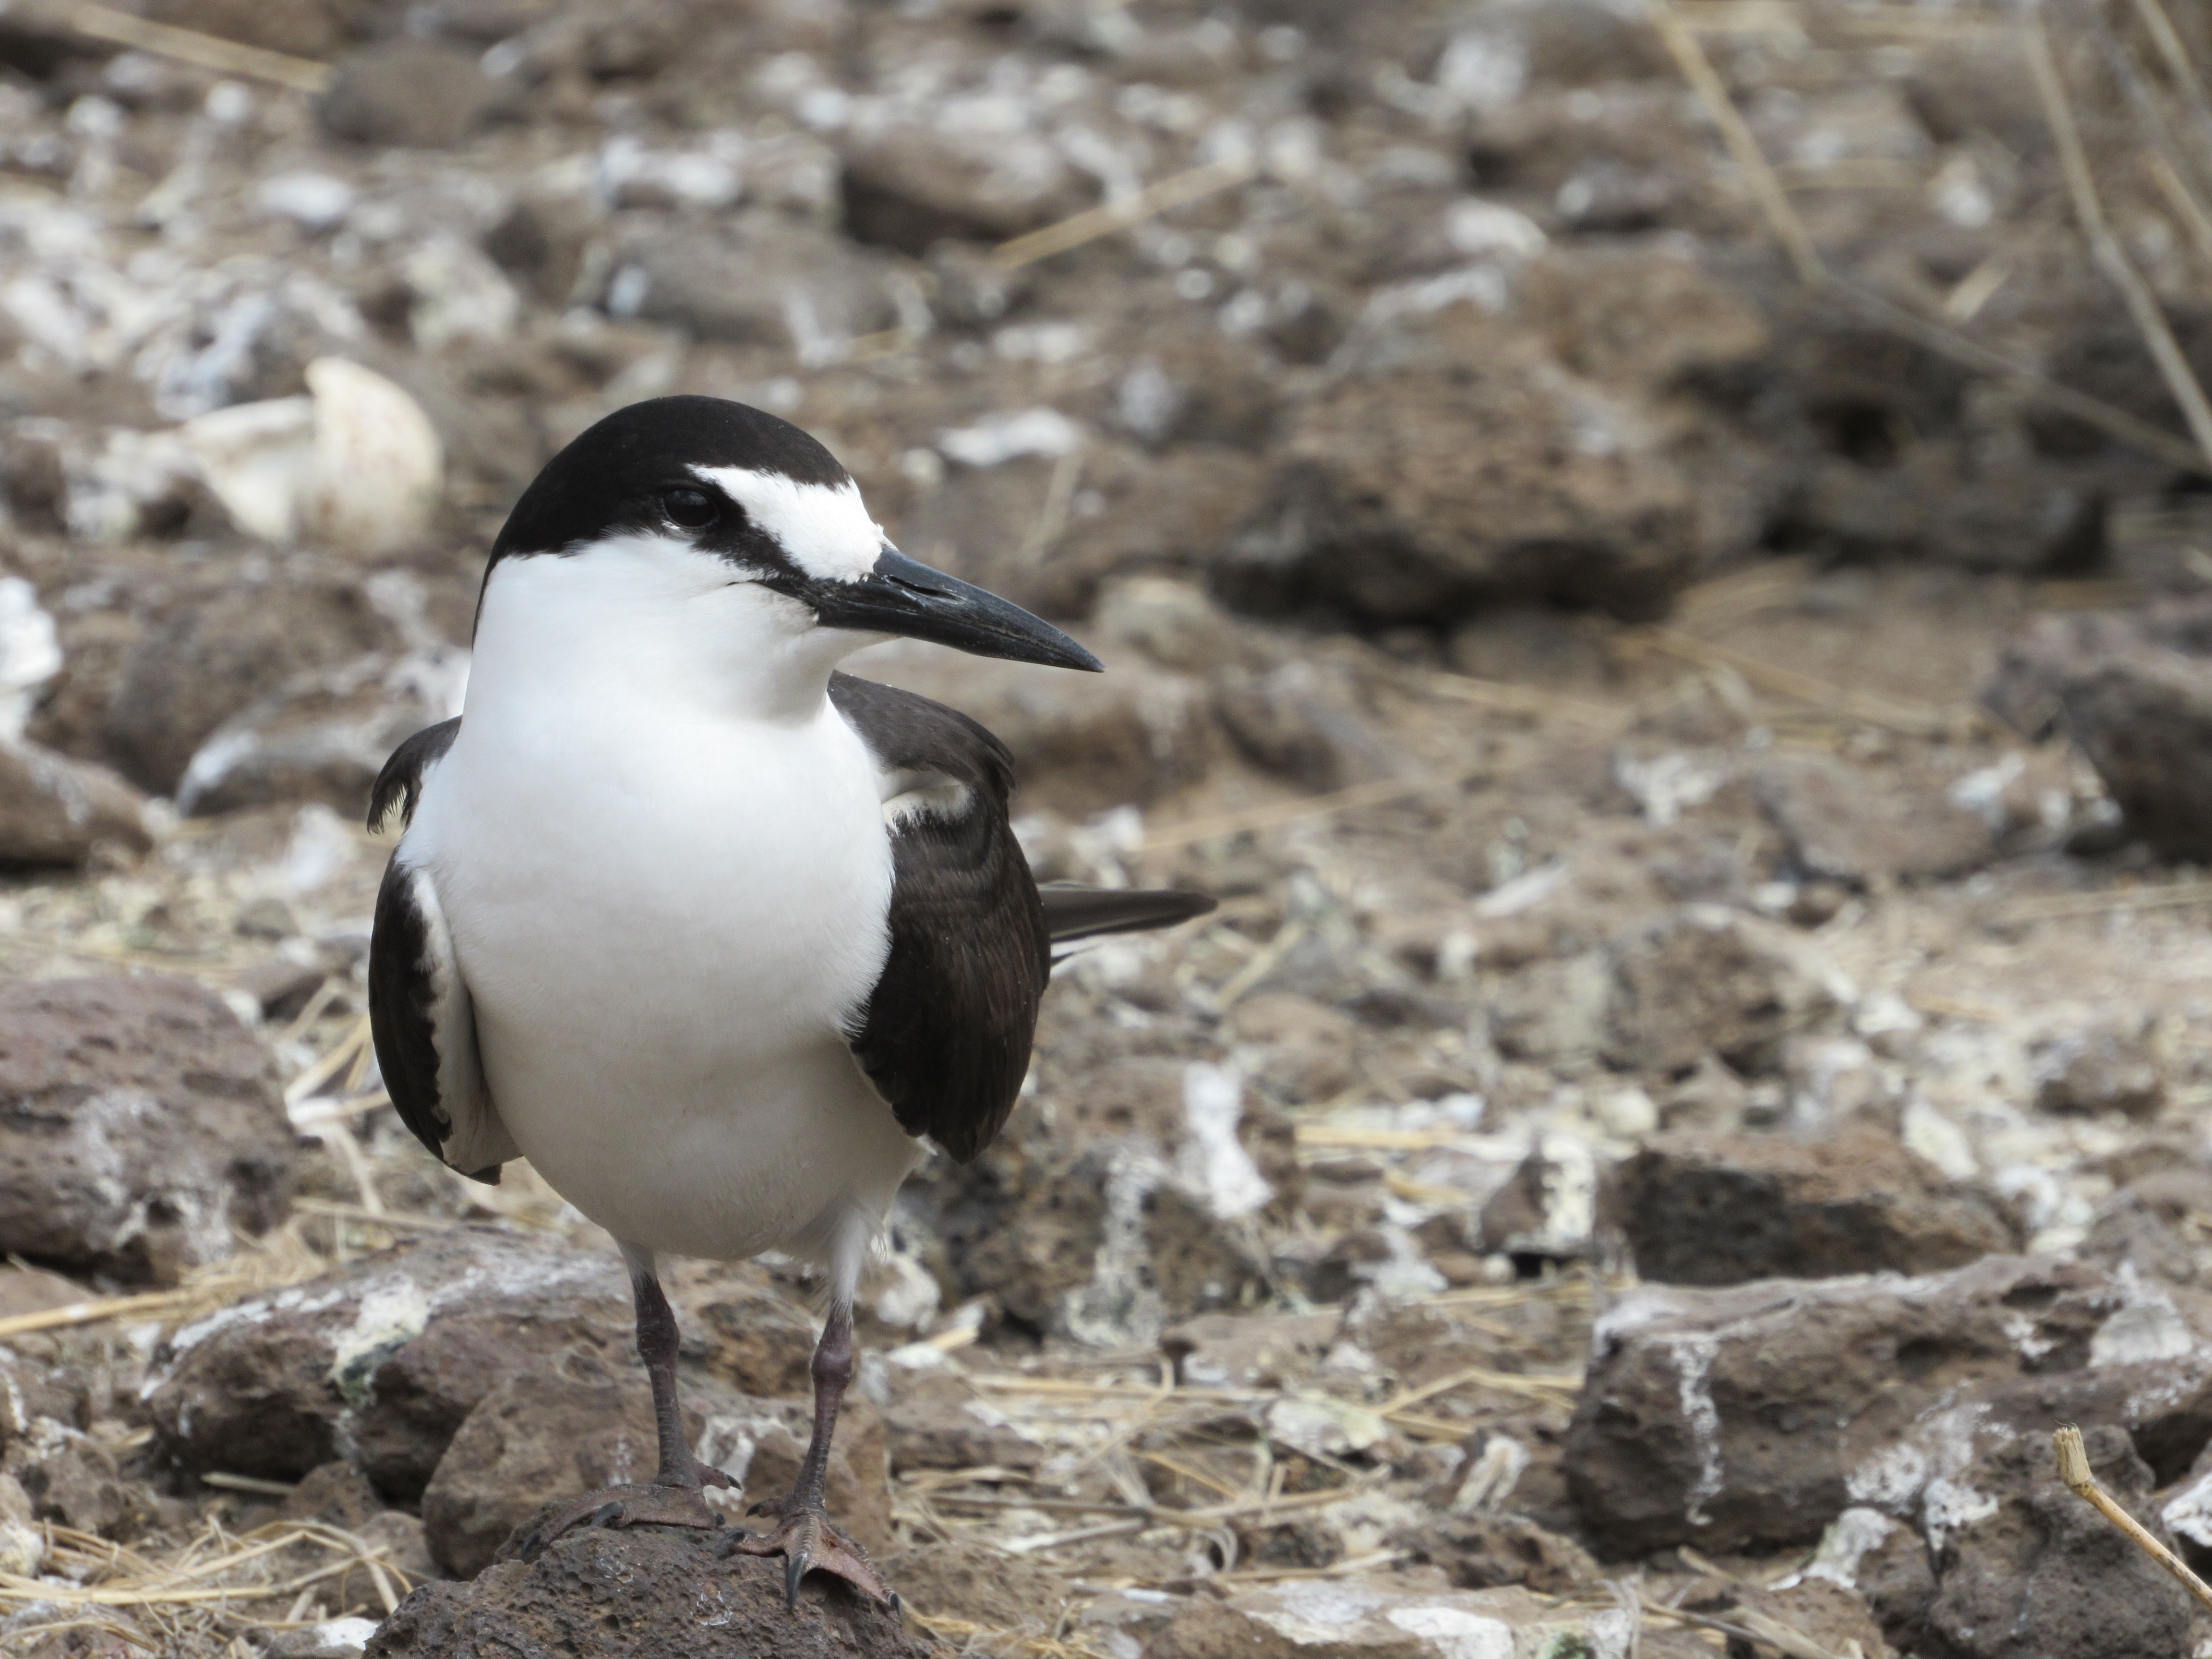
1072	912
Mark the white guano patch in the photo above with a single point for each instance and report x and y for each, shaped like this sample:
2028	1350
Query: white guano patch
1890	1478
1693	1364
390	1315
1456	1633
1215	1161
2147	1327
823	529
2189	1512
1849	1537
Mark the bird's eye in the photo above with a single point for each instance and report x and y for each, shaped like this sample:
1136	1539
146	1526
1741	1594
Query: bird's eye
689	509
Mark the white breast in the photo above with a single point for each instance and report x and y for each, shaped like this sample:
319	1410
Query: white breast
671	909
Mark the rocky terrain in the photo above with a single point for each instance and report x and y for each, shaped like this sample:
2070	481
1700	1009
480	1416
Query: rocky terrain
1643	554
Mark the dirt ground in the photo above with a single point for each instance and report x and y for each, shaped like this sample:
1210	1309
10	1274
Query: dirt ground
1640	554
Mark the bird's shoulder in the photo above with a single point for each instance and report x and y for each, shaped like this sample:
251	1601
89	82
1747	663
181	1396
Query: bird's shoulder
906	732
400	783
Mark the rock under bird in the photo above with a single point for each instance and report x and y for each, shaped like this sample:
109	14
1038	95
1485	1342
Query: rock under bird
716	936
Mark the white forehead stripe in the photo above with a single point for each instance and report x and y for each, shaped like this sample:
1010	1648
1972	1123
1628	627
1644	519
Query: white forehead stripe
825	530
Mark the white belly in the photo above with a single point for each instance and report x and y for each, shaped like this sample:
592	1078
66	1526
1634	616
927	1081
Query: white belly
667	927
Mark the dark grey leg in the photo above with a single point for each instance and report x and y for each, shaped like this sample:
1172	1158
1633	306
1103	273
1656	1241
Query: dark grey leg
803	1535
656	1346
673	1499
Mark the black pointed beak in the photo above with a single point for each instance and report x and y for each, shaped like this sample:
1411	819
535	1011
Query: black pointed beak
905	596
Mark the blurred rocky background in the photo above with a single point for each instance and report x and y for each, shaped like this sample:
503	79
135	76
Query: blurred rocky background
1657	559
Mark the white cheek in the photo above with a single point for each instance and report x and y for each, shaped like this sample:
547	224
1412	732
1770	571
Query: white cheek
825	529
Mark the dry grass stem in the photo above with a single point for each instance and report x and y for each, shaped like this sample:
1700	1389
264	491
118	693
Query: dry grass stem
2074	1469
1765	187
1911	719
2104	246
2179	64
207	51
1787	228
2181	201
2166	896
1177	190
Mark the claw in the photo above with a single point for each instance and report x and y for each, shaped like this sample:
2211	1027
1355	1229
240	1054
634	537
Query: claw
608	1514
794	1570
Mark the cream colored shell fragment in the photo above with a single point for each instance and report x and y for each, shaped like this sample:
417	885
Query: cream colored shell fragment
356	465
378	467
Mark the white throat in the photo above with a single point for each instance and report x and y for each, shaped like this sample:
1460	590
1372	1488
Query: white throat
649	619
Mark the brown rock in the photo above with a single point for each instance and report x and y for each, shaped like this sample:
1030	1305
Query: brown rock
936	1420
649	1593
740	1329
1703	980
205	656
532	1439
406	92
800	280
2145	723
1751	1416
1858	823
1483	1551
2027	1570
54	810
1719	1209
1247	1350
909	182
323	735
960	1579
1306	724
1376	509
2115	1067
140	1123
390	1352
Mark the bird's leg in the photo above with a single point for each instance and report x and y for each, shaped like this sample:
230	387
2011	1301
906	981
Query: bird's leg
673	1499
656	1346
803	1535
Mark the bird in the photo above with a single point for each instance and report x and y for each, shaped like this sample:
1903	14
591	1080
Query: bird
720	938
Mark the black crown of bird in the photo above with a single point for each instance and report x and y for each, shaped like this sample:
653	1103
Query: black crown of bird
719	937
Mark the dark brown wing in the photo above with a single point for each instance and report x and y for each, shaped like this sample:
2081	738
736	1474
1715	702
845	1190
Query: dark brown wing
1072	912
946	1033
420	1014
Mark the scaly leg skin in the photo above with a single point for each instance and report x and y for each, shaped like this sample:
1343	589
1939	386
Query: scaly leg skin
673	1499
803	1535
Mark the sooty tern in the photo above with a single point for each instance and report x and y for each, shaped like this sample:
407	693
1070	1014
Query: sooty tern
712	933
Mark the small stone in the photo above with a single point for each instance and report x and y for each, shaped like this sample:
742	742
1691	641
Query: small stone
2116	1067
1707	1209
2145	723
1703	980
1483	1551
406	92
58	811
144	1125
936	1421
1857	823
